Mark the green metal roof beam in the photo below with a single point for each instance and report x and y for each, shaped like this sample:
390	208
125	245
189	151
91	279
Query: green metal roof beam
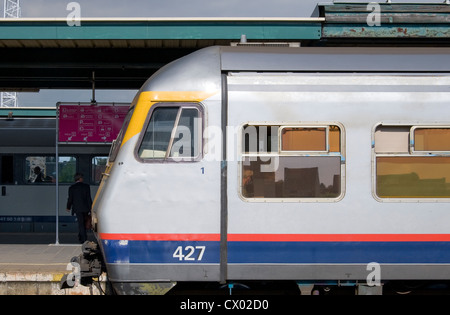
27	112
159	30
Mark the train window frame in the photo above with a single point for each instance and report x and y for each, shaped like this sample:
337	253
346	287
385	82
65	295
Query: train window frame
49	180
410	153
341	155
167	155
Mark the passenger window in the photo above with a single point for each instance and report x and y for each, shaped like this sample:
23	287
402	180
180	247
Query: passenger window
390	139
308	164
432	139
415	164
173	133
260	139
42	169
304	139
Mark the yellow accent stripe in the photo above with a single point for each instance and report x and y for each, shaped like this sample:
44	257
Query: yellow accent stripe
148	99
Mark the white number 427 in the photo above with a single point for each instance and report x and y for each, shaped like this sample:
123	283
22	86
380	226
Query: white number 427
189	253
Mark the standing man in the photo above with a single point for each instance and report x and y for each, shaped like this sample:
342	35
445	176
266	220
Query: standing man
80	202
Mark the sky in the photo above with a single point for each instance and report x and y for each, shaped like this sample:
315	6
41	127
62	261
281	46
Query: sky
182	8
171	8
157	8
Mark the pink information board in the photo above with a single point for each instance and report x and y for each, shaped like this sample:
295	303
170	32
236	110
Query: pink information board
90	123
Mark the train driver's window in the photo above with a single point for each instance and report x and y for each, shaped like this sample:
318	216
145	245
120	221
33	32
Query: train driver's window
98	167
292	162
412	162
117	143
42	169
173	133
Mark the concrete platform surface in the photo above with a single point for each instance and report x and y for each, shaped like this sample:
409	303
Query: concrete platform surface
36	258
37	269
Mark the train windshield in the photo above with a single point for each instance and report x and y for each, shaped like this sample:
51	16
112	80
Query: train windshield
118	142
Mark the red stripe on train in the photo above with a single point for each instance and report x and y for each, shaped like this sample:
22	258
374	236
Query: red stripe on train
281	237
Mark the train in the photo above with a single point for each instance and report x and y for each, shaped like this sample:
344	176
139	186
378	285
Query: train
306	165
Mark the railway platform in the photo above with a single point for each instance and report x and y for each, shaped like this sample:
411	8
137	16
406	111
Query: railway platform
33	264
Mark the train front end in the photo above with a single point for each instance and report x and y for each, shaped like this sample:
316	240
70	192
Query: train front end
156	215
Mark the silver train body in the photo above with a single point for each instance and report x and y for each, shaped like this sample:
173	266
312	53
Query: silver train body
302	164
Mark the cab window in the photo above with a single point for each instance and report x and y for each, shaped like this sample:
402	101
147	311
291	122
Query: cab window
173	133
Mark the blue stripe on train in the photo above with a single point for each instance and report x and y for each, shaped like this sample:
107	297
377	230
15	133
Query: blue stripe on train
338	252
276	252
161	251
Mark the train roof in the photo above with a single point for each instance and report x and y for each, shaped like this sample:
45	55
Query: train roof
201	70
336	59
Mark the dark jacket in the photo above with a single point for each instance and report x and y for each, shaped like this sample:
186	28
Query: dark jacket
79	198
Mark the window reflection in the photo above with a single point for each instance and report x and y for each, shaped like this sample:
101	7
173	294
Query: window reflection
42	169
295	177
420	169
413	177
291	161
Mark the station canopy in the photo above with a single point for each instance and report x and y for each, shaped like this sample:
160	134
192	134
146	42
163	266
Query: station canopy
121	53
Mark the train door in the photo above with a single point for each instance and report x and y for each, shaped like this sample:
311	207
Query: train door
285	177
182	191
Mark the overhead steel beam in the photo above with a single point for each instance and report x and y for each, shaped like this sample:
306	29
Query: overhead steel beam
430	21
385	30
160	29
